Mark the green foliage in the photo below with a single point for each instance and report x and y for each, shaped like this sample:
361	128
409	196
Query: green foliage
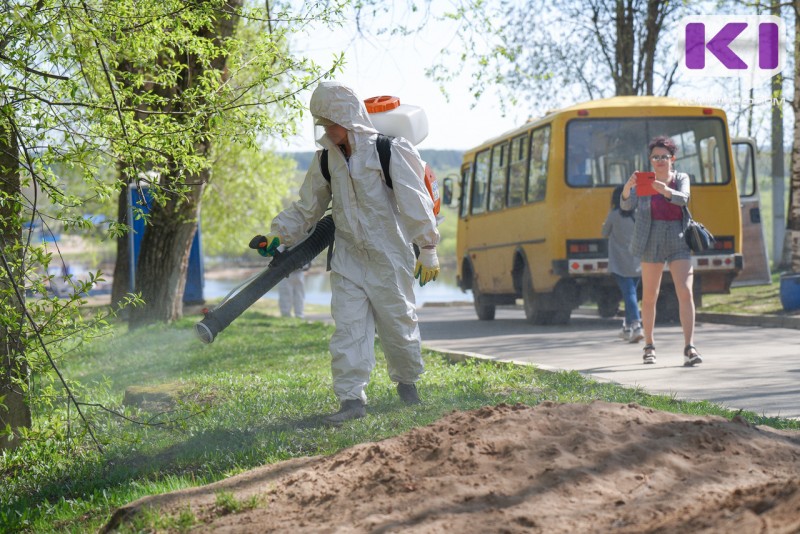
98	92
227	503
245	191
252	397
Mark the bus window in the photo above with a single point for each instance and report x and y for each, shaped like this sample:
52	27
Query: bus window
688	158
592	144
518	170
540	151
743	163
466	187
480	182
498	177
710	161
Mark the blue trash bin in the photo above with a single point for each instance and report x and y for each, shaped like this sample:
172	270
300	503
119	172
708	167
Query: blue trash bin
790	291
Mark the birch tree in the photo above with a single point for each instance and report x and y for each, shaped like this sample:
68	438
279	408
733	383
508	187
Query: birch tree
793	219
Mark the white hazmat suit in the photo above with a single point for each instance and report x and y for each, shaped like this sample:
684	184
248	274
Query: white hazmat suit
292	294
373	260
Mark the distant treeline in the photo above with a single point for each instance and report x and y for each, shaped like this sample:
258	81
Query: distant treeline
438	159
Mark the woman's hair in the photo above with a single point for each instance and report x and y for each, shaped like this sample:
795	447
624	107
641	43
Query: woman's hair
662	141
616	195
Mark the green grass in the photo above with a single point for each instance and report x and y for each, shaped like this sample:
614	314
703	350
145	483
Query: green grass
749	300
253	397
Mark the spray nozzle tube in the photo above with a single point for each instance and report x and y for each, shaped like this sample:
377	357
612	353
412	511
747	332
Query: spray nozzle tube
281	266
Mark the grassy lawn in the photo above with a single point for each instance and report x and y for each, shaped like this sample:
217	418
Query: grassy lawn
750	300
252	397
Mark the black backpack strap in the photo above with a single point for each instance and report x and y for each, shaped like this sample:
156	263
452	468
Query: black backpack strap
385	155
326	173
323	165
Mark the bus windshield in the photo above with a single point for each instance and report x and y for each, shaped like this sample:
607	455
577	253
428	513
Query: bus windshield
605	152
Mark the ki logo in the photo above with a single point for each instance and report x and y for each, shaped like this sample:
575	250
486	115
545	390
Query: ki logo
750	46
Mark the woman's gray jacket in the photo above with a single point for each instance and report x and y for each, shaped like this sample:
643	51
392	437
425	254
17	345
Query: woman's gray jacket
641	229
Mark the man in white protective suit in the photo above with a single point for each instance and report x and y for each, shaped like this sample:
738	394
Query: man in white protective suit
373	266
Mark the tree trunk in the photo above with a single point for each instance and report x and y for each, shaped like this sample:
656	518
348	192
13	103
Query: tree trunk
164	253
793	222
121	285
652	26
164	257
624	48
14	410
778	171
780	261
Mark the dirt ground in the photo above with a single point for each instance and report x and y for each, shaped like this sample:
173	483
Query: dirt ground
599	467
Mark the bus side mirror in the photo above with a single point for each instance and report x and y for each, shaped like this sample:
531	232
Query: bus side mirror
447	198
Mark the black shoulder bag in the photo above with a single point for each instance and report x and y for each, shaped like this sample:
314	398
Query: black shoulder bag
697	236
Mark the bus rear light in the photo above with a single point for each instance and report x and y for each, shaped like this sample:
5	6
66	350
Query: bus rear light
583	113
587	248
582	248
702	262
575	265
708	111
722	244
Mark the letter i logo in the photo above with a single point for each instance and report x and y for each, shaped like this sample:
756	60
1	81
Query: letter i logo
769	45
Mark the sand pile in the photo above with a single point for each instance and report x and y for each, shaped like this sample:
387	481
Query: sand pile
550	468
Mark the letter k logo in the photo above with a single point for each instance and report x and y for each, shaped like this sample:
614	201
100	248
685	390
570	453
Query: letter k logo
719	45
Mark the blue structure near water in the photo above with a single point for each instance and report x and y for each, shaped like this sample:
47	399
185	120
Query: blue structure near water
193	294
790	291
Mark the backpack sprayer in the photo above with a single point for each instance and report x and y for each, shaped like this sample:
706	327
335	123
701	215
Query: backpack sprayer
390	118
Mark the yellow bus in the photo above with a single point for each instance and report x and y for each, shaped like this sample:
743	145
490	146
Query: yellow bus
533	201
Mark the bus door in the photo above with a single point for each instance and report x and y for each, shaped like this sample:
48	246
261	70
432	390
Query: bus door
754	248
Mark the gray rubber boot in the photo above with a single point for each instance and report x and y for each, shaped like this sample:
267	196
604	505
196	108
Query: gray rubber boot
408	393
351	409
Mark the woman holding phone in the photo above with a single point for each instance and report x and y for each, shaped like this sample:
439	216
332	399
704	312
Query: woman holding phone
658	238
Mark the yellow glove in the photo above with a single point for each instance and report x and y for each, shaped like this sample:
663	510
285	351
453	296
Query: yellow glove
427	268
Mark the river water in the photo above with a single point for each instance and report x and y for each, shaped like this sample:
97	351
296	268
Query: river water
318	289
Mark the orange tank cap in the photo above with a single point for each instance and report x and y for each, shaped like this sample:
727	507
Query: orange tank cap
377	104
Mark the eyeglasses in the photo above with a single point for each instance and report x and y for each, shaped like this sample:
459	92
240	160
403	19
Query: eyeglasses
665	157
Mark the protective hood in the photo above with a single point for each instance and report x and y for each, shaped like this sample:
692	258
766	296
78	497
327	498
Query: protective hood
340	104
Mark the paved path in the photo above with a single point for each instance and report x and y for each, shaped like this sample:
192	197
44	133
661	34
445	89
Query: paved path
746	367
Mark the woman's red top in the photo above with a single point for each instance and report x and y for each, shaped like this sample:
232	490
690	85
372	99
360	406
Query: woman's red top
661	209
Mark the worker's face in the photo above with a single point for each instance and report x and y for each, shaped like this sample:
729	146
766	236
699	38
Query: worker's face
336	133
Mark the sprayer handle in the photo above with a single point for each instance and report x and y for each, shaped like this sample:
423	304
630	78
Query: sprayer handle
258	241
266	246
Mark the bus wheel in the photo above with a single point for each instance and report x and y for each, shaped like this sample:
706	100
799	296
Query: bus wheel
667	307
560	316
608	302
534	304
484	308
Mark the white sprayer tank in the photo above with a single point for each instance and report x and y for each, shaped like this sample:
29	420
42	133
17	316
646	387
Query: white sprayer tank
392	118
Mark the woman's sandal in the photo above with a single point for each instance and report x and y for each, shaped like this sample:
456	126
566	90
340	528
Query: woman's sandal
649	354
690	356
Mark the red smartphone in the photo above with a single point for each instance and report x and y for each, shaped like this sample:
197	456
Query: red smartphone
644	184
